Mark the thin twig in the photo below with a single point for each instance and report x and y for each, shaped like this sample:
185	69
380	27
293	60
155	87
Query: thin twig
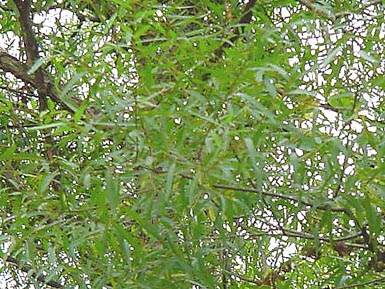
284	197
310	5
361	285
257	282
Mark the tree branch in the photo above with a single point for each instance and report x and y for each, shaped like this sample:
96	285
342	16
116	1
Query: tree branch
269	280
360	285
257	282
32	49
11	64
284	197
28	269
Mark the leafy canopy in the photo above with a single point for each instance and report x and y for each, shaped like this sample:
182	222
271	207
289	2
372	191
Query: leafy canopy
192	144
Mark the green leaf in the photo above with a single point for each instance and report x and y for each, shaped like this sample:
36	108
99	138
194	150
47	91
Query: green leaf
342	100
46	181
368	57
330	57
113	190
36	65
270	87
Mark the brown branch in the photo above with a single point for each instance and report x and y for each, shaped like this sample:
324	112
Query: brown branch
32	49
39	80
11	64
27	269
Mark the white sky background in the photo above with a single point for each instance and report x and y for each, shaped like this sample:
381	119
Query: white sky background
49	26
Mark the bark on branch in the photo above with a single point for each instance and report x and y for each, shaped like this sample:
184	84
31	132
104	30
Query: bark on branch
38	79
32	49
11	64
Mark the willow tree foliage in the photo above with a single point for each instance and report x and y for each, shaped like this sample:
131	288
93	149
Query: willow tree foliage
192	144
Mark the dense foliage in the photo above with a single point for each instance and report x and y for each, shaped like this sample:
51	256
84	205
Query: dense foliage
192	144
